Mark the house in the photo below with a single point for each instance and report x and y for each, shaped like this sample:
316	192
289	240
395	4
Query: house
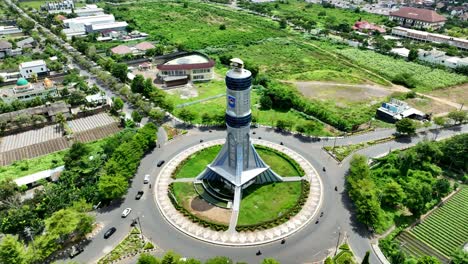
89	10
366	26
48	111
98	99
5	48
25	91
27	69
396	110
26	43
8	30
418	18
439	57
430	37
144	46
121	50
65	6
185	66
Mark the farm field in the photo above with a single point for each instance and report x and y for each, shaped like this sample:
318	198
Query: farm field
424	77
444	231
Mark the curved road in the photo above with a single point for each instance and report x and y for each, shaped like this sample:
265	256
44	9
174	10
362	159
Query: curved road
311	244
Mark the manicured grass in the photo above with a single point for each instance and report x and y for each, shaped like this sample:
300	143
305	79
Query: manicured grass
25	167
263	203
183	192
204	90
131	244
344	257
197	162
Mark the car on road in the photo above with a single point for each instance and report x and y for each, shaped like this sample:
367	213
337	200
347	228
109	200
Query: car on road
147	179
139	195
109	232
126	212
75	250
160	163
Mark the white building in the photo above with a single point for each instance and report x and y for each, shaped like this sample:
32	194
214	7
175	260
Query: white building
65	6
25	91
439	57
430	37
27	69
76	26
114	26
89	10
7	30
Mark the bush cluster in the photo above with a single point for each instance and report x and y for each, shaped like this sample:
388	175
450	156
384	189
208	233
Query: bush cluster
283	218
192	217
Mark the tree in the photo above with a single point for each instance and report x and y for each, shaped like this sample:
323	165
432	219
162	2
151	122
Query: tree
8	189
146	258
11	250
25	24
157	115
66	223
112	186
138	84
219	260
61	120
458	116
170	258
119	71
150	91
270	261
366	258
393	194
442	187
117	104
265	102
439	121
187	115
428	260
284	124
459	257
222	27
206	118
405	126
413	55
136	116
328	260
283	23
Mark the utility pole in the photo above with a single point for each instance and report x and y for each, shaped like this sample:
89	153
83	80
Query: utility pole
139	224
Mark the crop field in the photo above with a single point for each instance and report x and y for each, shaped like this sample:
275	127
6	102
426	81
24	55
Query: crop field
444	231
190	26
425	77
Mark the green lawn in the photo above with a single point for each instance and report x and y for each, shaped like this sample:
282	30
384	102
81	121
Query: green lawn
262	203
52	160
183	192
204	90
197	162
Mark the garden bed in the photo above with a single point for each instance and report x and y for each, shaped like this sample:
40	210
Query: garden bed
132	244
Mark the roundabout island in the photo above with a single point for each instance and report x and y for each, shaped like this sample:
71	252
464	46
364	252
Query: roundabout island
238	198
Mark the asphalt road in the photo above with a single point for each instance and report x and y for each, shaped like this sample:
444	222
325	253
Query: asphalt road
312	243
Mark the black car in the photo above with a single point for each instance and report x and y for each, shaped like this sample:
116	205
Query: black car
139	195
109	232
160	163
75	250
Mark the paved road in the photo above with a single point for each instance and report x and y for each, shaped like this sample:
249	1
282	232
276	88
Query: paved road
313	243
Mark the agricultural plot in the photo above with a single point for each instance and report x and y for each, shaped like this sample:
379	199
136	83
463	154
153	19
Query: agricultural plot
442	232
425	78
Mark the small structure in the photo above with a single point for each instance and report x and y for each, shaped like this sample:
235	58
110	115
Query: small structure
145	66
98	99
48	111
366	26
396	110
27	69
25	91
144	46
8	30
121	50
193	66
5	48
26	43
418	18
89	10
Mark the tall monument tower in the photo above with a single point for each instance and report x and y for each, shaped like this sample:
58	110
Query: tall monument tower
238	165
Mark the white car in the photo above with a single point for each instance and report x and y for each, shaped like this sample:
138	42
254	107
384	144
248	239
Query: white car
126	212
147	179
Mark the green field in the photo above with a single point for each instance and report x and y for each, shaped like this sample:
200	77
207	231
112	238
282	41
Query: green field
262	203
424	77
443	232
37	4
197	162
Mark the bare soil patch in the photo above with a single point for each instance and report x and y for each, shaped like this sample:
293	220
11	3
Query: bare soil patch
209	212
428	105
458	94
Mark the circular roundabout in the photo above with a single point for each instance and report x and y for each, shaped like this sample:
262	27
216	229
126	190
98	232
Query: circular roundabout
231	233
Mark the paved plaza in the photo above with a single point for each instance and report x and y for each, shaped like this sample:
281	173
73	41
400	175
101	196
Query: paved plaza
232	237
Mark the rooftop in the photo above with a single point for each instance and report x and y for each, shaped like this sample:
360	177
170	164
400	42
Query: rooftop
419	14
108	25
29	64
144	46
88	19
5	44
187	61
121	50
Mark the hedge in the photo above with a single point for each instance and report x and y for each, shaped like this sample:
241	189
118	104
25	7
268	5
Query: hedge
283	218
192	217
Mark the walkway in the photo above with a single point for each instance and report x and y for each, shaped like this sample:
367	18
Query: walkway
38	176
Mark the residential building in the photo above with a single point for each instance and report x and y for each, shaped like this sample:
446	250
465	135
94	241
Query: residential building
121	50
138	49
65	6
7	30
439	57
366	26
25	91
5	48
396	110
98	99
186	66
49	111
26	43
105	27
144	46
430	37
89	10
418	18
27	69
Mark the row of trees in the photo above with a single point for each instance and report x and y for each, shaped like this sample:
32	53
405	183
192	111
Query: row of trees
173	258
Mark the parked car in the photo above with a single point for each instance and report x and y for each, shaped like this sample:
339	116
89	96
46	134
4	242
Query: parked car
139	195
75	250
126	212
147	179
109	232
160	163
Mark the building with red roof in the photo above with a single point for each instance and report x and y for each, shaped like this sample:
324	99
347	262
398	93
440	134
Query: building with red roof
121	50
193	66
418	18
144	46
364	25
